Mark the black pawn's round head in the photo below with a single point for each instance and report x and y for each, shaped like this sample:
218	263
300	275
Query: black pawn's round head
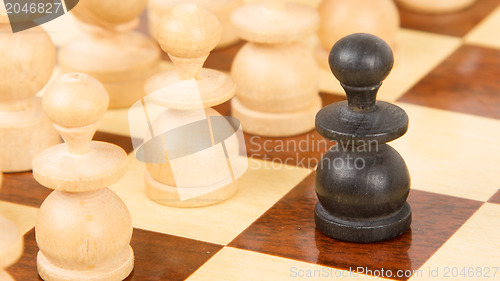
361	60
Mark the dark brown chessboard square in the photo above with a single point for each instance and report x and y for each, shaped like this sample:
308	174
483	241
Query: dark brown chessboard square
157	257
288	230
455	24
22	188
122	141
495	198
222	59
25	268
466	82
165	257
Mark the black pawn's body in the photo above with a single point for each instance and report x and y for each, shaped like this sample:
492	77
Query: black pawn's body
362	183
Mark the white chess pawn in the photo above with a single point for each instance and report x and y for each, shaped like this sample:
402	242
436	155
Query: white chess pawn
276	75
83	229
197	169
436	6
27	59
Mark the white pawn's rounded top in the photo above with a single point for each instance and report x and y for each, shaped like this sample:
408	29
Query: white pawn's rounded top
275	21
109	12
28	59
189	31
340	18
75	100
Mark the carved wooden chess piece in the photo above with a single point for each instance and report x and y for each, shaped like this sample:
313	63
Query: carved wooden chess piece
83	229
276	75
196	170
362	183
27	60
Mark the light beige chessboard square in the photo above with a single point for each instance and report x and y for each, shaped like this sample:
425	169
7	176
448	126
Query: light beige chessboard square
258	189
416	55
231	264
451	153
475	247
486	34
23	216
116	121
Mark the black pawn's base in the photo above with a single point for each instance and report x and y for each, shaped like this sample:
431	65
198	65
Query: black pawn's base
362	231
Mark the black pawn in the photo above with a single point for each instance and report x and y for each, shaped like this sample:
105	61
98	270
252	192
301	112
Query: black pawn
362	183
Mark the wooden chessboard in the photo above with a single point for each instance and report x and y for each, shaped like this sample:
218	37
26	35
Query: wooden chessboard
447	78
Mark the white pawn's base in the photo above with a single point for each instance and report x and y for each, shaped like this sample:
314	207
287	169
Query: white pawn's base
276	124
114	270
169	195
